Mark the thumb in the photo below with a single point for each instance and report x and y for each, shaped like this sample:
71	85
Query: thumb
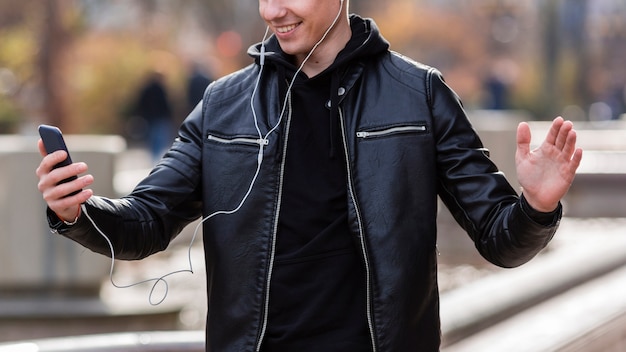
523	138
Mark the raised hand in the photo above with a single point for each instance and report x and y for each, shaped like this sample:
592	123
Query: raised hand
547	172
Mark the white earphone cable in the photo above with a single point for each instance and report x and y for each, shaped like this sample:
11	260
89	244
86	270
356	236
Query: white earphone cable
262	142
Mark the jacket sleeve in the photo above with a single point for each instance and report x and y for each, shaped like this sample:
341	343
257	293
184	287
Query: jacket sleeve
145	221
476	193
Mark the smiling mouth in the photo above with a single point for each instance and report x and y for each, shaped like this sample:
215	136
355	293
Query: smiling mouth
285	29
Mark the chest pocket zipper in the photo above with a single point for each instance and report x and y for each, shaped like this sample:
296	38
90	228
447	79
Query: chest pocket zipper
392	131
239	140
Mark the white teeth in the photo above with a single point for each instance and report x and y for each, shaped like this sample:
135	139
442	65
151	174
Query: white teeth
286	28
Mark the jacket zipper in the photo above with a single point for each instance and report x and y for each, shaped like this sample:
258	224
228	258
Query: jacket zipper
270	269
368	270
392	130
239	140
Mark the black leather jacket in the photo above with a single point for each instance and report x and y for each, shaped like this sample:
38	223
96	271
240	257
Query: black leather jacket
406	140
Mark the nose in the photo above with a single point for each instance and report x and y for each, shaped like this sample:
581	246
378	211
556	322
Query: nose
271	10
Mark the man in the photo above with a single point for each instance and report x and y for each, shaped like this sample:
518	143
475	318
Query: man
330	245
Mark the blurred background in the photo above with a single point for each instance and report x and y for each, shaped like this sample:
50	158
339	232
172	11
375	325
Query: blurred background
91	66
80	64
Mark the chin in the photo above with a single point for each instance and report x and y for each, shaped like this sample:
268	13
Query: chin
291	48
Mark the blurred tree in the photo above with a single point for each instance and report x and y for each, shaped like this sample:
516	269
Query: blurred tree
78	63
107	58
234	16
574	34
53	38
450	39
17	52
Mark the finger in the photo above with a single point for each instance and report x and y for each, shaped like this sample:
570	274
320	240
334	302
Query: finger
523	139
47	164
52	195
49	161
563	134
69	204
554	130
570	144
41	147
63	173
576	158
50	179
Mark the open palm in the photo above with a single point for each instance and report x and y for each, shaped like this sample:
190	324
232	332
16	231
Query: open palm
547	172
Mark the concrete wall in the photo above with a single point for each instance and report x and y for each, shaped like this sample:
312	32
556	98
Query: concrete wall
31	257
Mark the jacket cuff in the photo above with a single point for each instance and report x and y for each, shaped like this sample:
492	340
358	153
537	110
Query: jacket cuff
546	219
56	224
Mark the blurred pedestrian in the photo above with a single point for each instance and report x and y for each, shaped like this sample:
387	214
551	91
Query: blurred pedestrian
197	83
154	108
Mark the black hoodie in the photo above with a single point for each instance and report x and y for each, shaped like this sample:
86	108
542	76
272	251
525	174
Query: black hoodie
318	288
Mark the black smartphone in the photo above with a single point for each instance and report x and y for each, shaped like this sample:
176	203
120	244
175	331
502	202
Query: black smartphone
53	140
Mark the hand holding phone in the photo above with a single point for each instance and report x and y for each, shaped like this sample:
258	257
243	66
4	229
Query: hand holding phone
53	140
